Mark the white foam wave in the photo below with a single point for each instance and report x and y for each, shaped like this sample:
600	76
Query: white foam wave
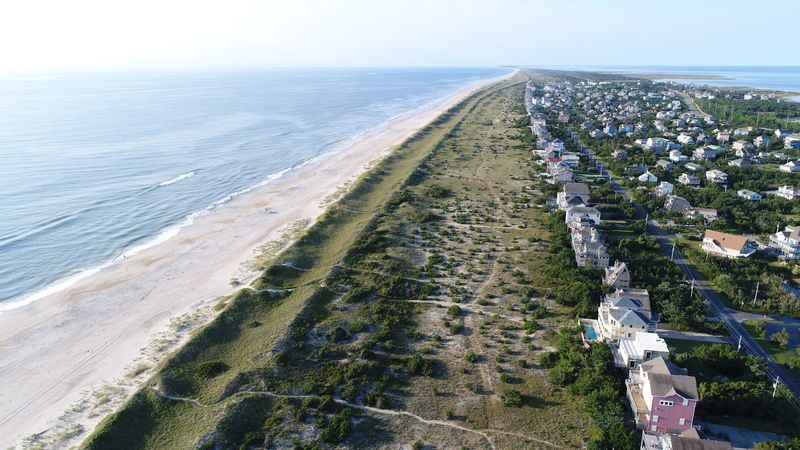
180	177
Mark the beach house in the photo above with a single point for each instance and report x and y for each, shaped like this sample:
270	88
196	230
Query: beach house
664	188
662	397
748	195
677	157
727	245
581	213
687	440
632	351
573	194
623	313
617	276
588	245
688	180
790	167
788	192
716	176
786	242
648	177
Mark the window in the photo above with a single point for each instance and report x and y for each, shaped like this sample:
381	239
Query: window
666	403
681	421
655	419
686	402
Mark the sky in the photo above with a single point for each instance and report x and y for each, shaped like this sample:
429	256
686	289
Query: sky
110	35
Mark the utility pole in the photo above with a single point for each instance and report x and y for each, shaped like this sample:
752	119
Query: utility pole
672	255
775	386
739	347
758	283
691	289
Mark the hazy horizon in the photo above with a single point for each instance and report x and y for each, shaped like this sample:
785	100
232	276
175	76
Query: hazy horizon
92	35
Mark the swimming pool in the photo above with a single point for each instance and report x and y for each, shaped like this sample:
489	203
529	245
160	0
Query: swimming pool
589	332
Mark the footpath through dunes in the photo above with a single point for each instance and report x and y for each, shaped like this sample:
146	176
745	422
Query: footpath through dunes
327	350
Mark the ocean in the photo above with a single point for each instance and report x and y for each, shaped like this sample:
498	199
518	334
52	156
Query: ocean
93	168
778	78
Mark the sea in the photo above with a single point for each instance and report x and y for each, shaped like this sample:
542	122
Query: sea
95	167
778	78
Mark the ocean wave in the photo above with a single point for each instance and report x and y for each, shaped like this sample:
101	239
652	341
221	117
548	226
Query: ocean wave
177	179
163	236
13	238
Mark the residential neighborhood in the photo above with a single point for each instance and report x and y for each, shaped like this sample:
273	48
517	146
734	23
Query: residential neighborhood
685	169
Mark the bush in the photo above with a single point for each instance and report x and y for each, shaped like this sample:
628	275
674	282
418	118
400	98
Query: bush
211	369
512	398
471	357
337	427
454	311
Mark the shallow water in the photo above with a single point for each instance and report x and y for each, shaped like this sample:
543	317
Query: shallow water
94	167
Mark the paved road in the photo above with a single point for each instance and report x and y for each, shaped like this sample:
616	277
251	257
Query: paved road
726	315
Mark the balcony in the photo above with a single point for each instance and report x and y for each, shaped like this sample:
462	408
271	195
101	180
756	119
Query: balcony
637	404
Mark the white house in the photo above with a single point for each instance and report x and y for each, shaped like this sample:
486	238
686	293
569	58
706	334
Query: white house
640	348
716	176
693	167
582	213
664	188
648	177
788	192
727	245
790	167
677	156
617	276
623	313
688	180
748	195
787	242
704	154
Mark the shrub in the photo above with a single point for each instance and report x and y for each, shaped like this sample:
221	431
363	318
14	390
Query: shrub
454	311
511	398
471	357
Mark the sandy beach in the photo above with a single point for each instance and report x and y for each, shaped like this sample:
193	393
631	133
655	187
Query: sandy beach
70	358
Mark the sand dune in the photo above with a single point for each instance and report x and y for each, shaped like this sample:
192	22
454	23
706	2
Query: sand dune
72	357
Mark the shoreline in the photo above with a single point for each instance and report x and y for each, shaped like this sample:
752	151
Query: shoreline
173	230
76	355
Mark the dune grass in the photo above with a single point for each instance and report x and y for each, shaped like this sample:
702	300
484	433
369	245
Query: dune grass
248	335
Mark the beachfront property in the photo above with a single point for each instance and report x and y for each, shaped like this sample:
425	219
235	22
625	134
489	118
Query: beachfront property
762	141
624	312
620	154
748	195
630	352
589	246
791	142
677	205
664	188
727	245
677	157
687	440
786	242
647	177
742	163
688	180
573	194
664	165
716	176
693	167
788	192
708	214
617	276
662	397
790	167
582	213
704	154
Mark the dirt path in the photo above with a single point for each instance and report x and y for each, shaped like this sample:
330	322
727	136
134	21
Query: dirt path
370	409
